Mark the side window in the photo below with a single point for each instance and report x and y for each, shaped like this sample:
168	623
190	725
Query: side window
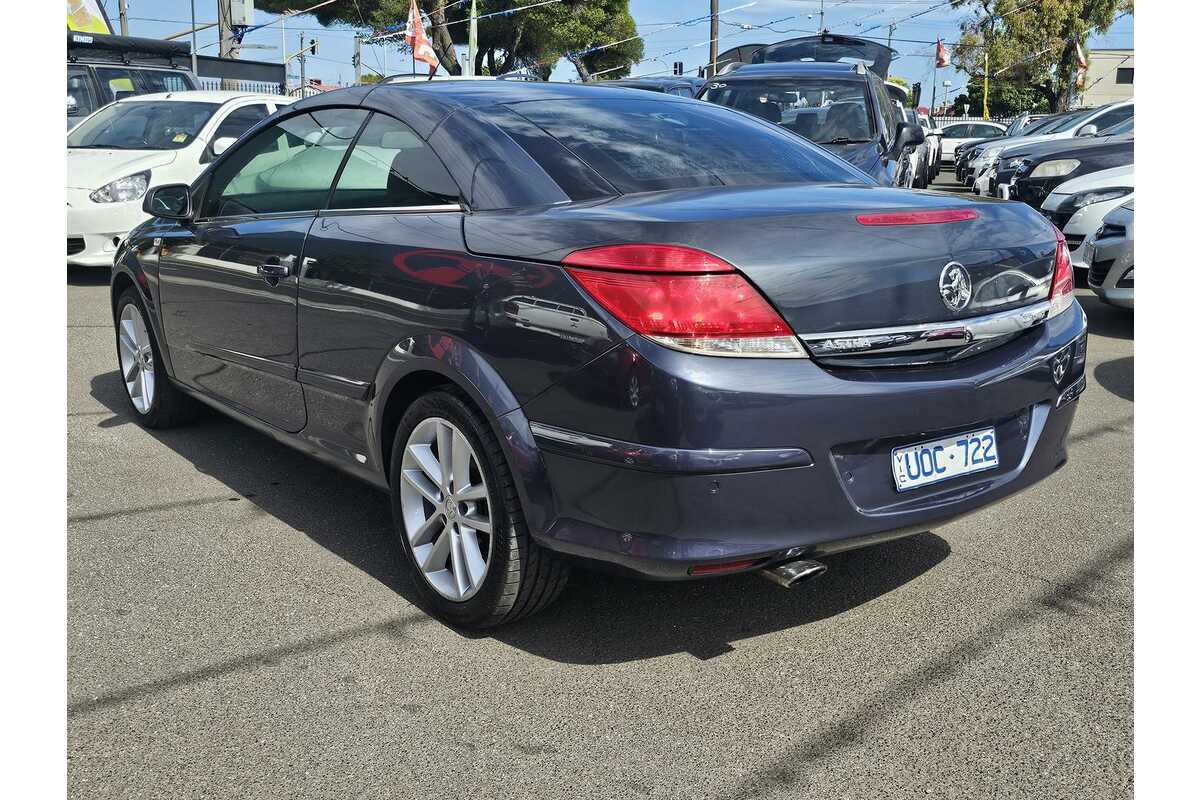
957	131
286	167
116	83
1110	118
890	114
156	80
988	132
241	120
391	167
81	98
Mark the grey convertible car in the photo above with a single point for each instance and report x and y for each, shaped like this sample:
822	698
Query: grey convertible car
580	325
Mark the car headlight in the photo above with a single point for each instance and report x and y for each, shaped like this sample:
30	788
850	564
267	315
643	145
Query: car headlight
1055	169
986	158
1081	199
122	190
1010	164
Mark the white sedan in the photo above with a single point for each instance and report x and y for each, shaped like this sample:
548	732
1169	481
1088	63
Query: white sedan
956	133
1078	206
136	143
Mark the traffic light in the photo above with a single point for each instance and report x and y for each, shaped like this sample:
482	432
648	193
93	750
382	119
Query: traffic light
313	44
677	68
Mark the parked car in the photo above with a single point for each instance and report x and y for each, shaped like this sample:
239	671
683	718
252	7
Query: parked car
1037	174
917	168
969	151
1078	206
1109	252
134	144
933	142
103	68
675	84
956	133
385	276
1084	124
844	107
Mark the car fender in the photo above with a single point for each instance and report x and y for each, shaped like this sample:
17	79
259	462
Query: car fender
469	370
138	263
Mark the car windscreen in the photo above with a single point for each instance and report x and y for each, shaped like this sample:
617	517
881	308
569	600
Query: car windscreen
143	125
1065	122
648	145
825	111
1042	125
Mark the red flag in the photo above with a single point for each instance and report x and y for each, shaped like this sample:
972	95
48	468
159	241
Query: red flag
415	36
942	59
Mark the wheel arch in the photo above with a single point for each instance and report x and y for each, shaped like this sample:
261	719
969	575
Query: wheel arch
417	365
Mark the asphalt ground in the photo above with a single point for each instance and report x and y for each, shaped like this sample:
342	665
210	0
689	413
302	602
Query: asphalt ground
238	627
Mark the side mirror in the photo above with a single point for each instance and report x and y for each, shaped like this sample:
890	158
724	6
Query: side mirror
1087	130
72	106
169	201
907	135
222	144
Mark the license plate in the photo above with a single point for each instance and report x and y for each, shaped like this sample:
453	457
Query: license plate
919	465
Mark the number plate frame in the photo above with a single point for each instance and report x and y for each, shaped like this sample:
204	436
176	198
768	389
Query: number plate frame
950	444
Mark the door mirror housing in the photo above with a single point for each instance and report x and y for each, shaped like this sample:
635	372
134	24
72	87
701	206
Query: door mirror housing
169	201
1087	130
221	145
907	135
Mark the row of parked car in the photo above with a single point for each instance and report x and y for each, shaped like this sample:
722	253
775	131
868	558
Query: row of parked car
1077	169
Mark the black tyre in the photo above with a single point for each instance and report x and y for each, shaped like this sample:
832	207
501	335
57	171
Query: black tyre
154	400
459	519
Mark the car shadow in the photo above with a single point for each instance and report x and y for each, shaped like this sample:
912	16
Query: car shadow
1117	377
599	619
1103	319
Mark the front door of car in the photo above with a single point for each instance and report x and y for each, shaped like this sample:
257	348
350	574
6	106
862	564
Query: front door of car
229	280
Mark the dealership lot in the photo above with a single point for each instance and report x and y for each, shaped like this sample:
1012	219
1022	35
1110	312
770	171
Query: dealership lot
238	627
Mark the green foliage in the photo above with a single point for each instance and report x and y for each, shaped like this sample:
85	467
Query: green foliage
1030	44
534	39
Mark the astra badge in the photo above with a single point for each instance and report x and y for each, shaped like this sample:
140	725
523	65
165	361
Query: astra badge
955	286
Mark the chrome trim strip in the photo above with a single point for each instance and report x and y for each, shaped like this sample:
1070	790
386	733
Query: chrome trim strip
347	387
931	336
665	459
430	209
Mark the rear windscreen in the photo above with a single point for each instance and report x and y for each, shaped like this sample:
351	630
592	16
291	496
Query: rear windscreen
650	145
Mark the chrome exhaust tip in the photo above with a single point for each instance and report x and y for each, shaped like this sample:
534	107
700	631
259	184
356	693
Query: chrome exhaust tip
791	573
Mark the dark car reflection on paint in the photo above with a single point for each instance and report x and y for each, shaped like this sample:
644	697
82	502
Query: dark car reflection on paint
661	357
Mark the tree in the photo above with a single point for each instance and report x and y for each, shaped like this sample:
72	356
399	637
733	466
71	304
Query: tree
1031	44
534	39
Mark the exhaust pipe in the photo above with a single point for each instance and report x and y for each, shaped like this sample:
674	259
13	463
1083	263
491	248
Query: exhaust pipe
791	573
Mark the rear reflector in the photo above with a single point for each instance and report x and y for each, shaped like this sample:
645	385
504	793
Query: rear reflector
1062	287
717	569
683	299
917	217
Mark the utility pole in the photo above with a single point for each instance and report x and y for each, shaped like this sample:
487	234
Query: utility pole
194	37
821	27
891	30
124	19
714	6
357	61
302	64
229	48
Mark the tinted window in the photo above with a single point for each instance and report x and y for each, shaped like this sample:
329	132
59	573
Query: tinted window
114	82
81	97
649	145
959	131
143	125
285	167
156	80
1112	117
818	109
391	167
1063	123
241	120
577	180
889	111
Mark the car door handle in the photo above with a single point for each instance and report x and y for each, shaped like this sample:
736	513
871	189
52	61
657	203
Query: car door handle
273	269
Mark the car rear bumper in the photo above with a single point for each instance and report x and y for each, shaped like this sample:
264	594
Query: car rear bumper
746	461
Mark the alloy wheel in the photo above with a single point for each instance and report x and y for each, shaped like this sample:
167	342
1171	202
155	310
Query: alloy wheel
446	512
137	358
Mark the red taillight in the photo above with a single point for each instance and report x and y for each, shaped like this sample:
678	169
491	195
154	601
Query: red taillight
1062	287
917	217
683	298
647	258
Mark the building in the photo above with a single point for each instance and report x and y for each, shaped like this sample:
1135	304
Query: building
1109	77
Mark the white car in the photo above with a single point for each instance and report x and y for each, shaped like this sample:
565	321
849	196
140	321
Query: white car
956	133
139	142
1088	122
933	142
1078	206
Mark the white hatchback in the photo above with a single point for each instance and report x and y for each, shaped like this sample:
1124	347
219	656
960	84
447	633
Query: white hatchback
118	153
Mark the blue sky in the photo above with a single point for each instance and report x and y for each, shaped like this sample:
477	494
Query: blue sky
156	18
